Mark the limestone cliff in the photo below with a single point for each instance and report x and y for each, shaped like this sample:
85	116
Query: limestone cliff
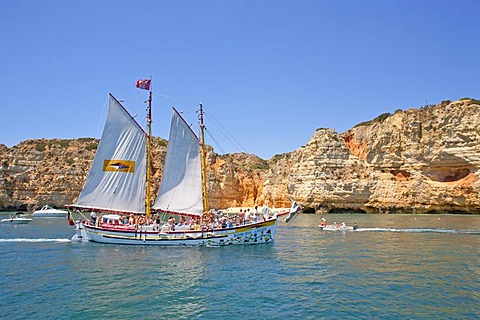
419	160
38	172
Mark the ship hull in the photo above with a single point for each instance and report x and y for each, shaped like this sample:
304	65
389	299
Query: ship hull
249	234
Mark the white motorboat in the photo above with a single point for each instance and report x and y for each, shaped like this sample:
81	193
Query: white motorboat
17	219
335	228
48	211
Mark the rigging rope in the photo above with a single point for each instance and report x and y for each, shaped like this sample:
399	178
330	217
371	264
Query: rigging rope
215	141
165	96
227	135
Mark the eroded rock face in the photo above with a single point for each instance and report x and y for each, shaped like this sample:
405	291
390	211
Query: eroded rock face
419	160
323	174
38	172
235	180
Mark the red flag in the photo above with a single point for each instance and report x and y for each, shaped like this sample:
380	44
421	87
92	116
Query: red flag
143	84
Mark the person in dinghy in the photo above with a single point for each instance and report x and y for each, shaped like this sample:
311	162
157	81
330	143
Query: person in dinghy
323	223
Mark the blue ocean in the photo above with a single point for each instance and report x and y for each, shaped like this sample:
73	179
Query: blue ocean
393	267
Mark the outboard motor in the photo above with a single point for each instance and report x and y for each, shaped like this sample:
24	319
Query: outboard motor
79	232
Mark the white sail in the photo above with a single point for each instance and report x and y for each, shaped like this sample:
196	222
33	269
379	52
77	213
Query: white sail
117	178
181	187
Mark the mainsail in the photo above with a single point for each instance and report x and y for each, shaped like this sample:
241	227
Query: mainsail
181	187
116	181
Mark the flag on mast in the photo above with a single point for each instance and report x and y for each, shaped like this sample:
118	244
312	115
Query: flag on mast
143	84
70	219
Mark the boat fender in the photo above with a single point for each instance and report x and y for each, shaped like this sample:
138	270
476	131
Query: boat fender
141	220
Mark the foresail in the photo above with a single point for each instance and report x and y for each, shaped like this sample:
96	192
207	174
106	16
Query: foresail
181	188
117	178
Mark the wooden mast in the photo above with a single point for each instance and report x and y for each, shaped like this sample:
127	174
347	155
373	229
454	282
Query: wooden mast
203	155
149	134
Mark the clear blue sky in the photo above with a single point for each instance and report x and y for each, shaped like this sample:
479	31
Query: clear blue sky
270	71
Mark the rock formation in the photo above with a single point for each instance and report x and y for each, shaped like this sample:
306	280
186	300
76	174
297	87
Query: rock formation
415	161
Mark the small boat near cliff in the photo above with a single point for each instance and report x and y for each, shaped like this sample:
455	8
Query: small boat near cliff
335	228
16	219
48	211
117	190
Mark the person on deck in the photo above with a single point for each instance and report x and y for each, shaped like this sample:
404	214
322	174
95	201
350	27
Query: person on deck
255	214
182	221
191	223
196	224
247	216
224	221
93	216
266	213
171	224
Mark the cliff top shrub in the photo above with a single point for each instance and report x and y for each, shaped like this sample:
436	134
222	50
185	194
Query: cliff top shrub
61	143
380	119
259	166
162	143
471	100
40	146
91	146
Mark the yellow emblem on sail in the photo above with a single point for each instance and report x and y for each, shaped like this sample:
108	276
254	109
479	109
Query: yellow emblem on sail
119	165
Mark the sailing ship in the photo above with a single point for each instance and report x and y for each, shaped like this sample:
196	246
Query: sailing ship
117	190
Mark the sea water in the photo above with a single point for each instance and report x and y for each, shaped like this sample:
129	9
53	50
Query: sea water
393	267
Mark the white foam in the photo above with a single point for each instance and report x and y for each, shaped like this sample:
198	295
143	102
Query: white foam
419	230
35	240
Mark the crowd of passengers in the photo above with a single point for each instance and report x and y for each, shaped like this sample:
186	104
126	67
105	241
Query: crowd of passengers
212	220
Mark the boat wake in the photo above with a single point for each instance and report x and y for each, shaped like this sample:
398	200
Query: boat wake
35	240
421	230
